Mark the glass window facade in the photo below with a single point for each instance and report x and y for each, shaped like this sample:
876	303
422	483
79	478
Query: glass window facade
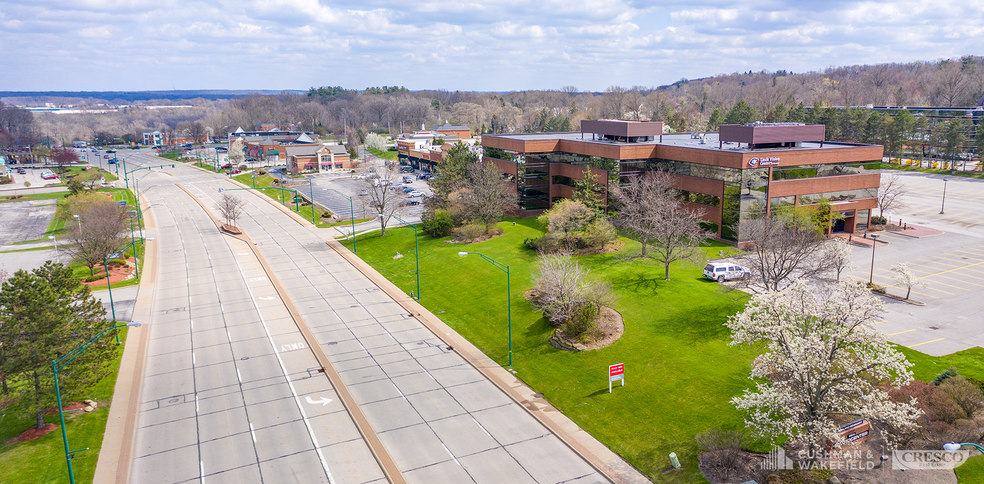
833	169
841	196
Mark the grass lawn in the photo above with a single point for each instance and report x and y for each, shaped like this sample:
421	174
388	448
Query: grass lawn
680	373
387	155
263	181
43	460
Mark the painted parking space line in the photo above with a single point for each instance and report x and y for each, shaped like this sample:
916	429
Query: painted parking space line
901	332
926	342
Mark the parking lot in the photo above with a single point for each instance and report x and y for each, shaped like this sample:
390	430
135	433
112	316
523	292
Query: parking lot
350	186
951	264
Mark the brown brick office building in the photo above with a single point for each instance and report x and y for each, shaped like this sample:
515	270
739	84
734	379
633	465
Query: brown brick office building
739	173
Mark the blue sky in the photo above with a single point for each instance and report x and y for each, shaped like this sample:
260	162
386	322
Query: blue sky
447	44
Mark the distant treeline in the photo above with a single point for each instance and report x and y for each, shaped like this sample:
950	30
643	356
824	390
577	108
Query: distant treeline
132	96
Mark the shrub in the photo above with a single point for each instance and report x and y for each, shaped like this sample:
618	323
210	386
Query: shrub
470	232
439	224
963	393
726	444
262	172
561	290
95	277
582	321
944	375
118	262
876	220
599	233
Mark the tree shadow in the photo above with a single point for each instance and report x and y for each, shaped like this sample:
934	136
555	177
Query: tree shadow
637	281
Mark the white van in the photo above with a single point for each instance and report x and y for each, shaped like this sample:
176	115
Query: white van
726	271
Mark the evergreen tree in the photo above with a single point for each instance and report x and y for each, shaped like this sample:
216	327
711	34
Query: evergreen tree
741	113
588	190
44	315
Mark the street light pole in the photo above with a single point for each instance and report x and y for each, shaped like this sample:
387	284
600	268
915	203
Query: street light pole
504	268
355	248
52	237
954	446
943	204
874	242
416	249
312	202
61	413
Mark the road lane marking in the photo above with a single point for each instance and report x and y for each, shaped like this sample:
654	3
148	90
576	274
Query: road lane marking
452	455
482	427
201	471
239	376
196	403
398	391
900	332
251	432
323	401
925	342
292	347
290	384
192	357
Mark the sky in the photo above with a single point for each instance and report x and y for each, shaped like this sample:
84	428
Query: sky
482	45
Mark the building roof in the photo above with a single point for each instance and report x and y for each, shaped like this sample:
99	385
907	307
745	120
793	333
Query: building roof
337	149
302	150
690	140
450	127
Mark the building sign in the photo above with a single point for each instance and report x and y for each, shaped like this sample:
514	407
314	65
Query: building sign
769	161
615	373
854	432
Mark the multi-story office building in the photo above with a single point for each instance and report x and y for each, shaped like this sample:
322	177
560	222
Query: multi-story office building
742	172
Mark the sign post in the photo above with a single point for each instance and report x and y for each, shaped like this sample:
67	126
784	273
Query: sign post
616	372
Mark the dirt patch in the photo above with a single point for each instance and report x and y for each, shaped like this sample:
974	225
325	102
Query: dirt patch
473	241
117	273
608	328
614	246
65	408
33	433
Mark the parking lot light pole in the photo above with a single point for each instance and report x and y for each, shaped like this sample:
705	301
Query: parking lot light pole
943	204
504	268
313	221
416	249
874	242
57	365
52	237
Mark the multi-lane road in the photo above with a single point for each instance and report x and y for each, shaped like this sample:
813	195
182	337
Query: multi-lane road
271	358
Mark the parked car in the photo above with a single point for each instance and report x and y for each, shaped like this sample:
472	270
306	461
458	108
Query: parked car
236	172
726	271
21	171
406	169
226	166
47	175
407	179
363	193
415	193
112	161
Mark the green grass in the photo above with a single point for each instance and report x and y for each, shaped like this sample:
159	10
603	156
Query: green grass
348	222
170	156
43	460
969	363
387	155
972	470
967	174
680	373
34	196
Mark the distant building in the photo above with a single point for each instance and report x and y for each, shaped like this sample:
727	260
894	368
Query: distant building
742	172
317	159
424	150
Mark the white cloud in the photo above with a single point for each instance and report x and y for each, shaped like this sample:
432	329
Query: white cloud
546	44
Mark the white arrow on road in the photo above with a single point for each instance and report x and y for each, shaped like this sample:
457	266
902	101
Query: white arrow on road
265	298
324	401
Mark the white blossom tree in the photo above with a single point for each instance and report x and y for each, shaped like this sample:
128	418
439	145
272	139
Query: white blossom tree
376	142
822	364
904	277
839	256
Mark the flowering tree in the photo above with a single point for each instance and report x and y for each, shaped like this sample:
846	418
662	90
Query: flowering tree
376	141
821	364
838	255
904	277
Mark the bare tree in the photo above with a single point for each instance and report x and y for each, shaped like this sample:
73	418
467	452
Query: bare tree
381	199
891	194
99	232
485	196
782	250
197	131
230	207
562	290
839	255
650	212
615	102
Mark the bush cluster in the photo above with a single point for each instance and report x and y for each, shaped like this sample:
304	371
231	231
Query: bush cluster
876	220
438	224
95	277
951	410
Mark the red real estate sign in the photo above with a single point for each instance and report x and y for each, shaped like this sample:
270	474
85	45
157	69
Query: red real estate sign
615	373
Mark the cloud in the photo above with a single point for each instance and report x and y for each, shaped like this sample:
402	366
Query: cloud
546	44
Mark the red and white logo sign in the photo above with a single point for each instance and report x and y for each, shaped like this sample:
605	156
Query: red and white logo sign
616	370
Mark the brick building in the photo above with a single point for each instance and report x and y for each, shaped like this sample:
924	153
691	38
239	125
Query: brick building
742	172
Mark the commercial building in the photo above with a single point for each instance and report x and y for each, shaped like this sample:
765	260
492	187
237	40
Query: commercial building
424	150
742	172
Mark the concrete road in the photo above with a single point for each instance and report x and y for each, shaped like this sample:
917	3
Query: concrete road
951	265
231	393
